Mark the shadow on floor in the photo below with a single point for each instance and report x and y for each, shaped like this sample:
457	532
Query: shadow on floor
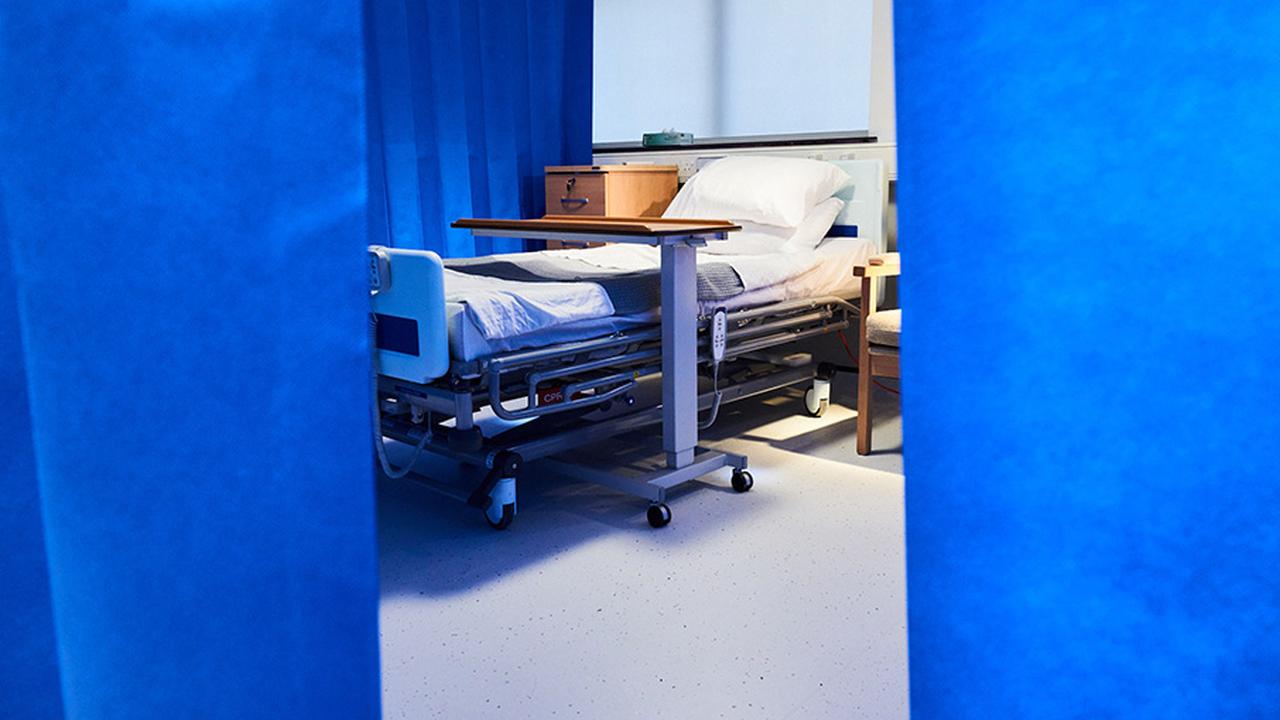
432	544
437	545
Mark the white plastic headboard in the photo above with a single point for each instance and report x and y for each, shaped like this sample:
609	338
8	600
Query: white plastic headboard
864	200
411	339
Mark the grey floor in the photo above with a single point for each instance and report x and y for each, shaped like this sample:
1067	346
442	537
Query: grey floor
785	602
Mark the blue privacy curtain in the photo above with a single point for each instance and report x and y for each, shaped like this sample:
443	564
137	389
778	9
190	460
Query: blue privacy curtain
188	495
1089	219
28	661
468	102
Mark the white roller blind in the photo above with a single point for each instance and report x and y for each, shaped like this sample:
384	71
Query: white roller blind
726	68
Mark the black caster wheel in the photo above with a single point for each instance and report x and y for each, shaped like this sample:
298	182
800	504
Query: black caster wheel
814	407
742	480
503	522
659	515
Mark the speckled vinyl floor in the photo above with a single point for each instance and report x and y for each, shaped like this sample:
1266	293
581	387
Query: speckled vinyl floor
785	602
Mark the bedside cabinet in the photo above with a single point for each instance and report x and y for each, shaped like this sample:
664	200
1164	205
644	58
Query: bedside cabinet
614	190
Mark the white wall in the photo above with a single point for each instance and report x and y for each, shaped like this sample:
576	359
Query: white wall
882	111
651	67
720	68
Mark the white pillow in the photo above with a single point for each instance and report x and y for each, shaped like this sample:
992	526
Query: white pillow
757	239
814	229
752	239
777	191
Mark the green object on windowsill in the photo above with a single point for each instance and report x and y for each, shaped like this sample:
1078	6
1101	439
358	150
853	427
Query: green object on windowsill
666	137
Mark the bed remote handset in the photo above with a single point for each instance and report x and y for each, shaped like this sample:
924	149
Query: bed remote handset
719	334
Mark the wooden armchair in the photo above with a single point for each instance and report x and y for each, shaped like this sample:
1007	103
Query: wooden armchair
878	341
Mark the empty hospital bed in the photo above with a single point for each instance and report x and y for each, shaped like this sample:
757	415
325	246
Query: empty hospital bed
495	362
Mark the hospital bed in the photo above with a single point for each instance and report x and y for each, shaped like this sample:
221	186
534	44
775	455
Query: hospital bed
495	402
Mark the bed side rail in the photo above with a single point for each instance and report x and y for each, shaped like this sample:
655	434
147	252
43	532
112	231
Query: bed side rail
592	372
406	296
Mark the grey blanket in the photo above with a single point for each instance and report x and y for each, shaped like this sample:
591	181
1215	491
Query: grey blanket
630	292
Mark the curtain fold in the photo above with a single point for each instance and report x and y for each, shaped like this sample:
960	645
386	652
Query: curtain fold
29	685
471	100
184	190
1089	357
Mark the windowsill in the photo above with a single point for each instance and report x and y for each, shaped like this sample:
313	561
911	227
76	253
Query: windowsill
745	141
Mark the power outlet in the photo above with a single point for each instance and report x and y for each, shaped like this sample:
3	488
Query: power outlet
687	166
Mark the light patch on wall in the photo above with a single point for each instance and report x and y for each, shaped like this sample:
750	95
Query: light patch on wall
720	68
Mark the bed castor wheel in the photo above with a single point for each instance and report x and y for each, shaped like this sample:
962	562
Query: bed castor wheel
504	516
816	401
659	515
742	480
501	508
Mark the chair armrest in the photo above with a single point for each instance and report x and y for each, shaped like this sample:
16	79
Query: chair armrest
885	265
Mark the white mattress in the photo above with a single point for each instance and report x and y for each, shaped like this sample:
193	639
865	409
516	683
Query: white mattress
828	270
467	343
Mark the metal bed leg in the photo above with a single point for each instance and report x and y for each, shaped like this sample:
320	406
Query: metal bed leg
679	353
463	411
464	435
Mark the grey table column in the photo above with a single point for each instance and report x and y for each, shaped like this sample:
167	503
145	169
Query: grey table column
679	352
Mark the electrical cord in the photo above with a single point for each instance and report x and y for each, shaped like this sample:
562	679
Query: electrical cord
884	387
715	401
844	341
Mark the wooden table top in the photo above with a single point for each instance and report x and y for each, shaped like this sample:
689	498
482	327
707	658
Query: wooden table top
643	226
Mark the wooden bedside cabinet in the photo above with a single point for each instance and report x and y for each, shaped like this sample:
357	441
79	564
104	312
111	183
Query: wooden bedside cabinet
614	190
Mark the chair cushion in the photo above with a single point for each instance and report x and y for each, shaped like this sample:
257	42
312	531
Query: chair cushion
885	327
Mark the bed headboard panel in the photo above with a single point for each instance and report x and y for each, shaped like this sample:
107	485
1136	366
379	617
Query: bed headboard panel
406	294
864	201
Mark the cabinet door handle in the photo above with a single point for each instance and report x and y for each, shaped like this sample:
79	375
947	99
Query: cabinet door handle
580	202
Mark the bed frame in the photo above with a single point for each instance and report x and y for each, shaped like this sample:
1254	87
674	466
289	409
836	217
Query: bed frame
552	401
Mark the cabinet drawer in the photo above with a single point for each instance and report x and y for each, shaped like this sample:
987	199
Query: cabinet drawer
575	194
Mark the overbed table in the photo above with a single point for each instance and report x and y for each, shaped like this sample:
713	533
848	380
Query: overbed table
679	240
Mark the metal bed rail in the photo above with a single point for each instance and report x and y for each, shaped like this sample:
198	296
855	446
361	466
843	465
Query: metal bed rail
586	378
576	436
600	370
631	356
